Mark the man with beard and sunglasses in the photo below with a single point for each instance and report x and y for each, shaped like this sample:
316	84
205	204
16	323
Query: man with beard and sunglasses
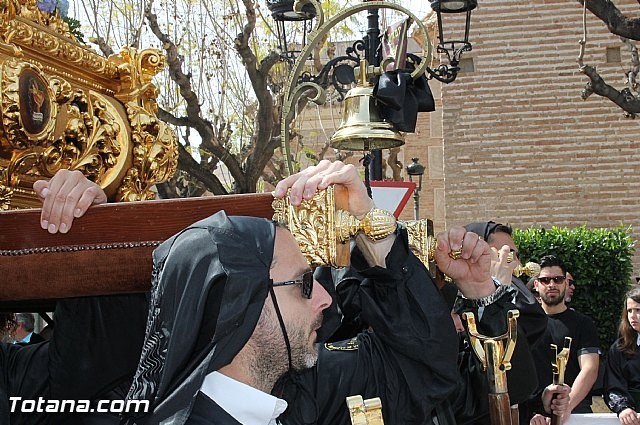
236	317
582	366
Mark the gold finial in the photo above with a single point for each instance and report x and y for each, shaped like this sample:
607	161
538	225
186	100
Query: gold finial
561	359
365	412
494	352
530	269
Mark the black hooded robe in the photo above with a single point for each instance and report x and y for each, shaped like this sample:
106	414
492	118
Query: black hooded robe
409	360
210	284
91	356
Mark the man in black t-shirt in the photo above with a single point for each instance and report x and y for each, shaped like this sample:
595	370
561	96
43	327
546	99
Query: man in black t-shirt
582	366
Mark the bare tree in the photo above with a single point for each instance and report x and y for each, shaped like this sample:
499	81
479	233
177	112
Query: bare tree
217	91
627	29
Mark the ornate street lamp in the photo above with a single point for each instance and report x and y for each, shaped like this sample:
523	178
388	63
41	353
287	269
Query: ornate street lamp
451	47
416	170
288	12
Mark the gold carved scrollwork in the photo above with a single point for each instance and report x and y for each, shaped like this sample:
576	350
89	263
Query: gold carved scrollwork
8	10
89	142
28	105
421	241
31	12
135	71
313	226
6	192
155	155
20	164
23	25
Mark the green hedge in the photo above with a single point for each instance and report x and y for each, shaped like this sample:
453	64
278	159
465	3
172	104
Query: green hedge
599	260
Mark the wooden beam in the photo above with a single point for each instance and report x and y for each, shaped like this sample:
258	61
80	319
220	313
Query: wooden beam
107	251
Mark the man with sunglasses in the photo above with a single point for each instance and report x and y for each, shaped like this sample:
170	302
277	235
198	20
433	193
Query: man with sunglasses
582	366
571	287
235	318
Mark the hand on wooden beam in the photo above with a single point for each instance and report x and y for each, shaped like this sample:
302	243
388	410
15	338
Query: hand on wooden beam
66	196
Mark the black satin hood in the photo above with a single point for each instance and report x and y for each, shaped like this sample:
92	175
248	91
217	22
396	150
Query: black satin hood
210	282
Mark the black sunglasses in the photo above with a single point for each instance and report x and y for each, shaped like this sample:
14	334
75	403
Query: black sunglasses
305	282
571	282
547	279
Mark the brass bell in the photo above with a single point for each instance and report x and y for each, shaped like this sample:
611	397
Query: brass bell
362	128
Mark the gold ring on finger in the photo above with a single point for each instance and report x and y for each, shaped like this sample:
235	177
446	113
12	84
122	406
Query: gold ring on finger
455	254
509	257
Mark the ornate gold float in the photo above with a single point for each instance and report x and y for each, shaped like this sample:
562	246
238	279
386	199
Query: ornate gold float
64	106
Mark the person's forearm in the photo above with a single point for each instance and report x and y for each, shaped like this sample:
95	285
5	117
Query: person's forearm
582	386
375	252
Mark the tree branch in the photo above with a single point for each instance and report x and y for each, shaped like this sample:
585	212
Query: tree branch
202	126
258	76
624	99
189	165
104	47
169	118
616	21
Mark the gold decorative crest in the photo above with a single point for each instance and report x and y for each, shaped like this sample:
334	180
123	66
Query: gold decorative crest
422	241
155	157
64	106
314	225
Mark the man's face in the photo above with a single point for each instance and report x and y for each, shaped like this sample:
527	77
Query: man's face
498	239
570	287
19	332
551	285
302	317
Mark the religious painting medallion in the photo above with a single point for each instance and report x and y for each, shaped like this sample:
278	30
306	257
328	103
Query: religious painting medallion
35	101
28	105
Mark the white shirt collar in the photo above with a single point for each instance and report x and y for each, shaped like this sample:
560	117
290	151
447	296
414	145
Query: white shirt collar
247	405
638	340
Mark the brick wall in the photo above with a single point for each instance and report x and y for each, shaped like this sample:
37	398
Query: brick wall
513	141
519	144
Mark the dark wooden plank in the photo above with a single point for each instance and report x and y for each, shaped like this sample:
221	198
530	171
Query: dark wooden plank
107	251
127	221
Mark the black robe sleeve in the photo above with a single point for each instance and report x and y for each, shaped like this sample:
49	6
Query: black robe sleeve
617	377
96	346
24	377
92	355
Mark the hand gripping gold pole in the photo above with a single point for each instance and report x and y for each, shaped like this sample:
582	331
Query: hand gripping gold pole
323	227
559	367
495	355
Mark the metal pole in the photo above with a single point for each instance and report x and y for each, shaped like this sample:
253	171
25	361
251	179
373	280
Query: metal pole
372	42
416	204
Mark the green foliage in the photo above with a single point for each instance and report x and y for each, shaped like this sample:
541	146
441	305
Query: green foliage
75	29
599	260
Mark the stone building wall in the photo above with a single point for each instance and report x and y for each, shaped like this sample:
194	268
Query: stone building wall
519	143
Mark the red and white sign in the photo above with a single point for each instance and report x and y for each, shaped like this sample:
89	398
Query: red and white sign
392	196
